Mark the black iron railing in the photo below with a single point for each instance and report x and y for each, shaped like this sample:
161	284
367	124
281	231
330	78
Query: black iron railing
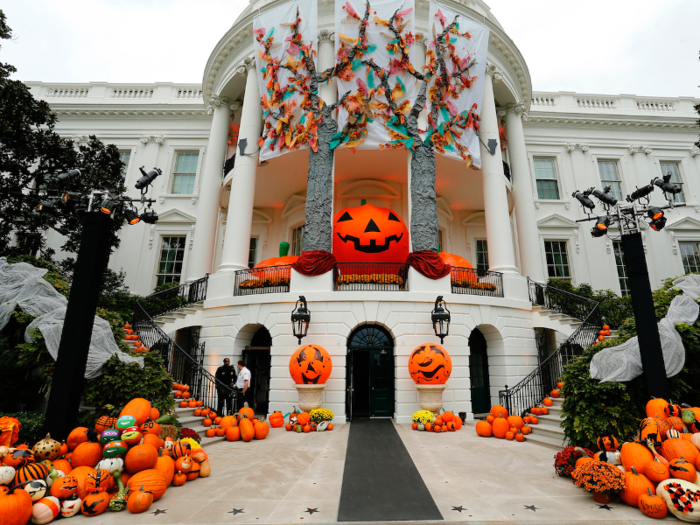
370	276
531	390
271	279
469	281
172	299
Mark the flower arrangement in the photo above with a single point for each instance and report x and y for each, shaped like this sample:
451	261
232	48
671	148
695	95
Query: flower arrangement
373	278
468	282
599	477
423	417
565	461
264	283
321	414
186	433
194	443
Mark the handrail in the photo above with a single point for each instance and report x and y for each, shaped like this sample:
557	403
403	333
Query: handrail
172	299
536	386
560	301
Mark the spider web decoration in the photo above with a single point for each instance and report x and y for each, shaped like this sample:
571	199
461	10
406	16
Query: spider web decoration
286	45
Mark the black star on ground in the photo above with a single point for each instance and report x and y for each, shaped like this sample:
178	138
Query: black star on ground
158	511
311	511
533	508
236	511
459	509
605	507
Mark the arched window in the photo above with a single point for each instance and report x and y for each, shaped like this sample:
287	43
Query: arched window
370	336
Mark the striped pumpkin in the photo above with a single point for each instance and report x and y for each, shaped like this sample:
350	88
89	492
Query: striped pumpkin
31	472
181	449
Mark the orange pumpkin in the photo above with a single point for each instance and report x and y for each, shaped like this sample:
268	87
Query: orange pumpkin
547	402
15	506
76	437
166	466
184	464
86	454
655	407
151	427
210	433
206	422
179	479
233	433
81	474
656	471
95	504
261	430
636	485
430	364
526	430
250	414
154	415
151	439
64	487
516	422
152	480
677	448
285	260
683	469
459	262
310	365
500	427
139	501
139	408
141	457
497	410
104	423
635	455
247	430
194	472
369	234
652	506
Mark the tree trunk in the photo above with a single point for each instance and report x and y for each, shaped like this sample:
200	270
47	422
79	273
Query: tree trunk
424	217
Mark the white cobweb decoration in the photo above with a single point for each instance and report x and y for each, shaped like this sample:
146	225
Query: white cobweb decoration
624	362
23	285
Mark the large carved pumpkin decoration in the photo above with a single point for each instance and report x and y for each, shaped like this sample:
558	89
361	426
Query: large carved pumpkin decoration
430	364
369	234
455	260
310	365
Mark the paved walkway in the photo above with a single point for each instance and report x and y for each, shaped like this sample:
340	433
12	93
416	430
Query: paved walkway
296	478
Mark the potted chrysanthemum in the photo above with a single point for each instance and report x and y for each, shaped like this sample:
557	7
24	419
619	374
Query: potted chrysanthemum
600	479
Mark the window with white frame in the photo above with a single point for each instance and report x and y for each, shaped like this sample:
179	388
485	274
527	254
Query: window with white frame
172	256
482	256
125	157
297	240
610	176
621	268
690	254
253	252
185	172
546	178
557	259
674	169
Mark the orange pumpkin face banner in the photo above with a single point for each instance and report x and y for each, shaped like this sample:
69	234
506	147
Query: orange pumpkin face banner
369	234
430	364
310	365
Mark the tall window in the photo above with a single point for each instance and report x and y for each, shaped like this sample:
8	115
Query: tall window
125	157
172	255
675	171
185	173
621	268
691	257
482	257
253	252
557	259
610	176
297	240
546	177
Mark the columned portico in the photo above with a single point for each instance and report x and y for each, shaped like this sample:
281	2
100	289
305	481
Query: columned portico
528	239
499	234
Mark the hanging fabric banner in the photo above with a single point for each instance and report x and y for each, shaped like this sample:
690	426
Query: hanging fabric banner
456	65
373	49
286	39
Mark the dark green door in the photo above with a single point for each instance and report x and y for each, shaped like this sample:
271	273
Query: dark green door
479	373
370	373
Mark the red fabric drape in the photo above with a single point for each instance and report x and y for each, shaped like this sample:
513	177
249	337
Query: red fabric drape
428	263
314	262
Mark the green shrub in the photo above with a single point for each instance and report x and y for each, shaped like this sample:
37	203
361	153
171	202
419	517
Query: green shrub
614	310
32	429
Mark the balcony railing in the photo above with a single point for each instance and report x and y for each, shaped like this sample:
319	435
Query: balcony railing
386	277
471	282
273	279
172	299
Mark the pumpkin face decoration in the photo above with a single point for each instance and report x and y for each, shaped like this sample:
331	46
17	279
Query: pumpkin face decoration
682	498
110	435
369	234
310	365
607	442
65	487
430	364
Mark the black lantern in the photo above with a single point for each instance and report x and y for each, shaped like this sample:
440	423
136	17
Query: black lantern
301	317
441	319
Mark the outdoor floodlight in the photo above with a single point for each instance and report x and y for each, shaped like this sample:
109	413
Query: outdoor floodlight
108	205
68	175
640	193
666	185
46	205
605	197
658	221
132	216
147	178
601	227
149	217
584	200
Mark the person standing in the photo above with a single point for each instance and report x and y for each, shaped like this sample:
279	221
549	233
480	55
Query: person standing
245	394
227	375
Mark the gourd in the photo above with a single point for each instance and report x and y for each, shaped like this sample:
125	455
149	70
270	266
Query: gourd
636	485
47	448
15	506
139	501
7	474
71	506
323	425
653	506
45	510
681	498
204	469
111	464
656	454
119	501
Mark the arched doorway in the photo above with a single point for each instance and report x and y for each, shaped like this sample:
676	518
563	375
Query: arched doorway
479	373
257	359
370	373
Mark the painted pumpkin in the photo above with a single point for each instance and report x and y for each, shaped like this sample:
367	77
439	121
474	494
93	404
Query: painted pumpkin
47	448
30	472
683	469
682	499
71	506
126	421
653	506
636	485
430	364
18	458
369	234
114	449
95	504
36	489
45	510
310	365
65	487
111	434
104	423
607	442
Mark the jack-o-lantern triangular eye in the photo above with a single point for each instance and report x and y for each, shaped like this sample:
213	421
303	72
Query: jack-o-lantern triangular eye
345	217
393	217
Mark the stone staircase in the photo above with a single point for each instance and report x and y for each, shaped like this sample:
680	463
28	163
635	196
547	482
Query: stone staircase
548	433
191	315
189	420
545	318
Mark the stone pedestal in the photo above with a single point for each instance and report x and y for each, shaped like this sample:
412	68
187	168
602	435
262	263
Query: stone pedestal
431	397
311	396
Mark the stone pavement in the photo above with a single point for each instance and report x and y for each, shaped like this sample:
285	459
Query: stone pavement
296	478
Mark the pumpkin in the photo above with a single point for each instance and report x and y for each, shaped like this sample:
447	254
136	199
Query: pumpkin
65	487
47	448
676	423
151	439
448	416
431	364
86	454
194	472
220	432
498	410
30	472
45	510
457	421
636	485
183	404
276	419
652	506
211	432
181	449
310	365
682	499
166	466
369	234
614	458
18	458
139	501
95	504
114	449
15	506
261	430
228	421
677	448
484	429
141	457
607	442
515	422
534	420
510	436
151	427
519	437
649	431
672	410
111	434
554	393
204	469
139	408
656	407
154	415
99	481
119	501
104	423
490	419
126	421
302	418
37	488
62	465
547	402
526	430
81	474
179	479
458	262
184	464
7	475
152	480
247	430
206	411
71	506
635	455
500	427
656	471
132	436
683	469
673	434
111	464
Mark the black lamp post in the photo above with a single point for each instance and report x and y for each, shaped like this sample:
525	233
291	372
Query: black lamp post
441	319
301	317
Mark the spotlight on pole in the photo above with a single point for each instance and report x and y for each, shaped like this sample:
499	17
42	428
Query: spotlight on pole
601	227
108	205
640	193
658	221
604	196
46	205
68	175
132	216
582	197
147	178
666	185
149	217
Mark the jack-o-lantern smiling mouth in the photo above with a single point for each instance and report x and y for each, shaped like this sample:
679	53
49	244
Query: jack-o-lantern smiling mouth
373	246
430	375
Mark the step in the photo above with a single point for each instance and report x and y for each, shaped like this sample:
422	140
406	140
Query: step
210	441
189	420
546	441
549	422
554	433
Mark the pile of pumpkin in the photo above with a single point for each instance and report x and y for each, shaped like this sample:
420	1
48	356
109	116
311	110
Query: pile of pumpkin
133	336
661	465
183	392
122	464
602	334
542	409
242	426
425	420
503	426
319	420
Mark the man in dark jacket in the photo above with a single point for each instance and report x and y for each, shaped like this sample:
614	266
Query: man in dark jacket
227	375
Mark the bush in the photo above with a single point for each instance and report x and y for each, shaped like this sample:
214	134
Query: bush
32	429
614	310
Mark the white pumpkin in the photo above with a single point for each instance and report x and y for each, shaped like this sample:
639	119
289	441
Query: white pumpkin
4	451
45	510
421	426
672	490
7	474
53	476
614	458
695	439
111	464
323	425
37	489
71	506
169	444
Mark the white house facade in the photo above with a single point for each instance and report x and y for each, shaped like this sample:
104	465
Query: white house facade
220	213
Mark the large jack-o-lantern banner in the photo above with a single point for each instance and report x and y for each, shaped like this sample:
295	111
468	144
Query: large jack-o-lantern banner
430	364
310	365
369	234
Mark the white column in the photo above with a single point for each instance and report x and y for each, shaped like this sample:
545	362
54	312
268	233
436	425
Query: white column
498	231
528	239
240	207
326	60
695	153
202	254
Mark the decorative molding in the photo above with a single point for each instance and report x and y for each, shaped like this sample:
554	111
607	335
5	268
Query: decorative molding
640	149
648	150
634	149
495	73
158	139
191	236
579	121
382	190
80	139
326	36
608	245
577	242
215	101
557	221
572	147
694	151
674	243
151	236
